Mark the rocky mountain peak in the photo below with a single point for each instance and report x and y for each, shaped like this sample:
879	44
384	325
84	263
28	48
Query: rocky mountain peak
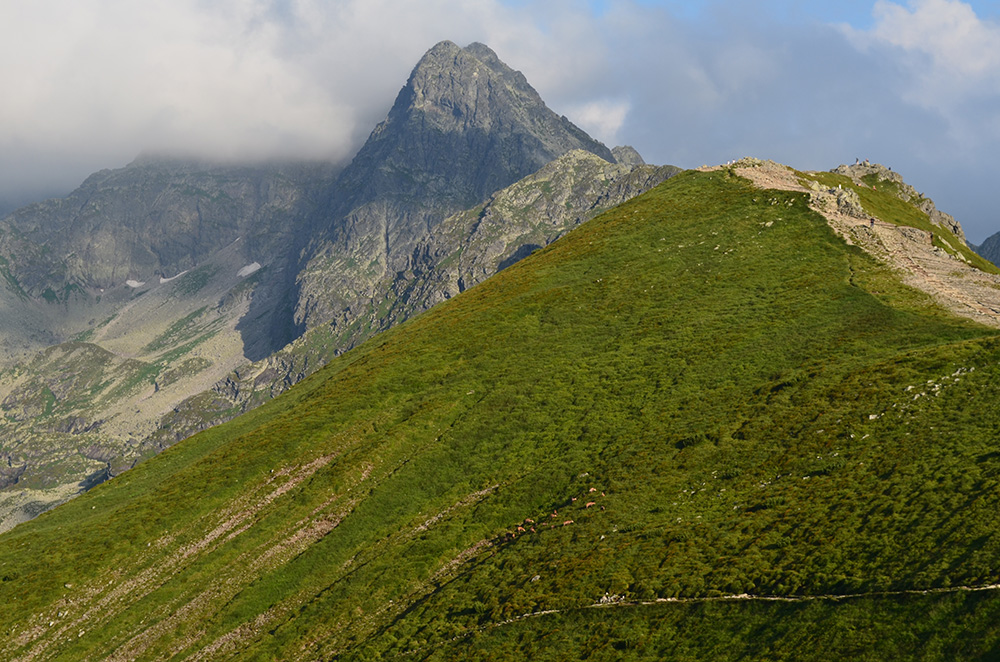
464	125
468	85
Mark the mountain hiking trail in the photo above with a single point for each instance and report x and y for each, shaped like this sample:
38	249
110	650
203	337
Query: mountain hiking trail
954	284
616	601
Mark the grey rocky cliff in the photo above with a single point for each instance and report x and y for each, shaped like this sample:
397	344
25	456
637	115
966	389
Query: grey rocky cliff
157	217
990	248
464	126
627	155
872	174
152	220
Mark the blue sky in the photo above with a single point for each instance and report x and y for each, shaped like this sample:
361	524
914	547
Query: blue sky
914	84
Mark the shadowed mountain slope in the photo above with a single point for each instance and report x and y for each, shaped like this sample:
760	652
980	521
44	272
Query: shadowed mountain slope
66	262
990	248
159	217
625	446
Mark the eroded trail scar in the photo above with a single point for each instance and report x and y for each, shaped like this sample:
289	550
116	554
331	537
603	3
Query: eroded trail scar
617	602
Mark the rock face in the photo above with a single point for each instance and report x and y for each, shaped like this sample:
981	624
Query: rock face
990	248
627	155
156	217
873	174
465	125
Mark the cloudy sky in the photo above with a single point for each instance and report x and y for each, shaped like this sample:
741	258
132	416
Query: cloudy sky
913	84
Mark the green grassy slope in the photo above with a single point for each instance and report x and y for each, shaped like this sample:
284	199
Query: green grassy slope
706	365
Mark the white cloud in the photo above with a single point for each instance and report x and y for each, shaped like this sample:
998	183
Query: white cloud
948	31
88	84
111	78
227	78
945	60
602	119
948	57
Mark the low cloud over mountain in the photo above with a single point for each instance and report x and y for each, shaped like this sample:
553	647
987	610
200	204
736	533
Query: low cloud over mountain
90	84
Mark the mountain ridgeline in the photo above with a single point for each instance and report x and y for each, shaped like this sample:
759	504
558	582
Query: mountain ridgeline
167	296
990	248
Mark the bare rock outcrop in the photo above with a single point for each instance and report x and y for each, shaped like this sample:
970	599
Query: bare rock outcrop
873	174
627	155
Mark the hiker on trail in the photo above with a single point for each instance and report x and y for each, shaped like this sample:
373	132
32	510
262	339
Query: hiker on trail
872	223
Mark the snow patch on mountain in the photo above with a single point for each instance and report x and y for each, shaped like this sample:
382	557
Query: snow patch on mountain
249	269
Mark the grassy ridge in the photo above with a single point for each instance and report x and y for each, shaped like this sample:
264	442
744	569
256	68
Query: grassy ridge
705	364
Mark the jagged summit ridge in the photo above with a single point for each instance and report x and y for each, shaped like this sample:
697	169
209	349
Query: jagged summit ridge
464	126
434	77
473	124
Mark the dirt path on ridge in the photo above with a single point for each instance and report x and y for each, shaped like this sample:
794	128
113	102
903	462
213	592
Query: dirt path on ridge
953	283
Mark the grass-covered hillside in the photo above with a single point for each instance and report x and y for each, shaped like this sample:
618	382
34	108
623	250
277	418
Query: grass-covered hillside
701	394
